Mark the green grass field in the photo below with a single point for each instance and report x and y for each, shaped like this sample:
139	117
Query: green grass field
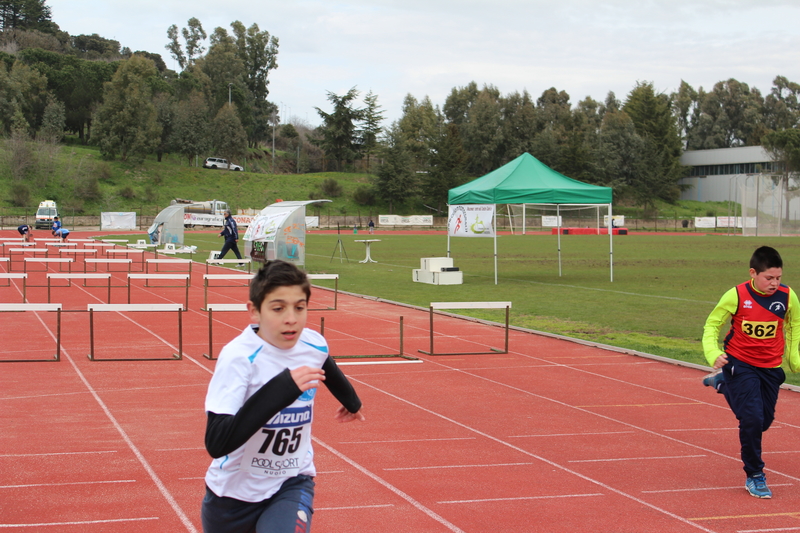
664	285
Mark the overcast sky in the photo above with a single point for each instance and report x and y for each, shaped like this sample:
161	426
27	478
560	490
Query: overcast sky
428	47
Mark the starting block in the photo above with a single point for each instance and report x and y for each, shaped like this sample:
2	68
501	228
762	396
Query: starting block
36	307
125	308
469	305
218	307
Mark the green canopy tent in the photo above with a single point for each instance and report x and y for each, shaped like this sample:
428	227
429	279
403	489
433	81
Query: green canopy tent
526	180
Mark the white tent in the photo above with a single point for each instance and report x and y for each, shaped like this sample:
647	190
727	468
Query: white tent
279	232
168	226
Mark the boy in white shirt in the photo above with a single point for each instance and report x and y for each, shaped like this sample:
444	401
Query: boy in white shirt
260	407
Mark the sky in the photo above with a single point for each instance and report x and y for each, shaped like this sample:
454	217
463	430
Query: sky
428	47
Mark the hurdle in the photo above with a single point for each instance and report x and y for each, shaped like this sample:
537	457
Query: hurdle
70	276
18	244
469	305
174	261
152	277
96	244
334	277
214	261
102	260
5	260
149	308
127	252
218	307
400	353
23	251
226	277
59	260
23	277
115	241
59	245
23	307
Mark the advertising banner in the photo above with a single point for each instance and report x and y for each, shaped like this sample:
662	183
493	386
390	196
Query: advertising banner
414	220
199	219
471	220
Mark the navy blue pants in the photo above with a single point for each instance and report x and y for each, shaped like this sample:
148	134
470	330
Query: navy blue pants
752	394
230	244
288	511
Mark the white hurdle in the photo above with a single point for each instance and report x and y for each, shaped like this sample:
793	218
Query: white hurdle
152	277
126	308
226	277
23	277
70	276
334	277
23	307
469	305
214	261
172	261
218	307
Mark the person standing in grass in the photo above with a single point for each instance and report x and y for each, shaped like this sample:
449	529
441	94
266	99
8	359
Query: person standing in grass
259	410
765	330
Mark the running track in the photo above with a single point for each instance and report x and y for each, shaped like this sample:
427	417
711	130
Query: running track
553	437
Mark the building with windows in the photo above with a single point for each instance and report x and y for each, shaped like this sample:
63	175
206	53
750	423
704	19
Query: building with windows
716	173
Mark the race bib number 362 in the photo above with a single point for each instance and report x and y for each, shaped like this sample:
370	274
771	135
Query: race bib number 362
760	330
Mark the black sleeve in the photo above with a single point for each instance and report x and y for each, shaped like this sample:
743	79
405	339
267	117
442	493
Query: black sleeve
340	386
225	433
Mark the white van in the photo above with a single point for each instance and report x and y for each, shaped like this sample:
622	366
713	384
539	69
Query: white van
46	214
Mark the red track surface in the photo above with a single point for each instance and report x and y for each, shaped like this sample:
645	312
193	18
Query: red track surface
552	437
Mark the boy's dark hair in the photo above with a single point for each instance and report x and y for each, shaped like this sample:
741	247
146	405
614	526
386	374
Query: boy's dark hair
765	258
275	274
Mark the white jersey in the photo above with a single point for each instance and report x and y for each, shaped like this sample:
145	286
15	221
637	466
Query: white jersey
282	449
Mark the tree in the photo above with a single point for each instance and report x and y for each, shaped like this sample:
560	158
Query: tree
371	129
339	129
418	126
619	156
655	123
22	98
482	134
784	148
192	38
448	166
227	135
730	115
782	105
53	121
127	119
395	181
26	15
191	125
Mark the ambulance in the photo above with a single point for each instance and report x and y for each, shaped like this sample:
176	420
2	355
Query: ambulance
45	214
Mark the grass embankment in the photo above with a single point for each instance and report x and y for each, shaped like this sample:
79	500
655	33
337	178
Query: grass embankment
664	285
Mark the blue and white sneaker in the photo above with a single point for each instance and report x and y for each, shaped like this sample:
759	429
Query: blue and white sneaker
714	379
756	485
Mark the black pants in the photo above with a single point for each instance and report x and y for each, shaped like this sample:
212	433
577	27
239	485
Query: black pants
230	244
752	394
287	511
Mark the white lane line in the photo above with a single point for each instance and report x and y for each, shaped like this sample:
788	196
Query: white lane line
348	508
64	484
80	522
139	456
538	457
635	458
484	465
55	453
524	498
405	440
703	489
378	479
570	434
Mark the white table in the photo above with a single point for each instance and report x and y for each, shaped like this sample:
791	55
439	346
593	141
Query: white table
367	242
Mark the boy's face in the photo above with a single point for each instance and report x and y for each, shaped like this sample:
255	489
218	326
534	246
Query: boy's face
767	282
282	316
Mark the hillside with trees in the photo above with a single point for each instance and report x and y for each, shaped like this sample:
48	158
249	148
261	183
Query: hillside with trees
58	90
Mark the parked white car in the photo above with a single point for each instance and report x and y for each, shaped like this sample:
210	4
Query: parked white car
218	162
